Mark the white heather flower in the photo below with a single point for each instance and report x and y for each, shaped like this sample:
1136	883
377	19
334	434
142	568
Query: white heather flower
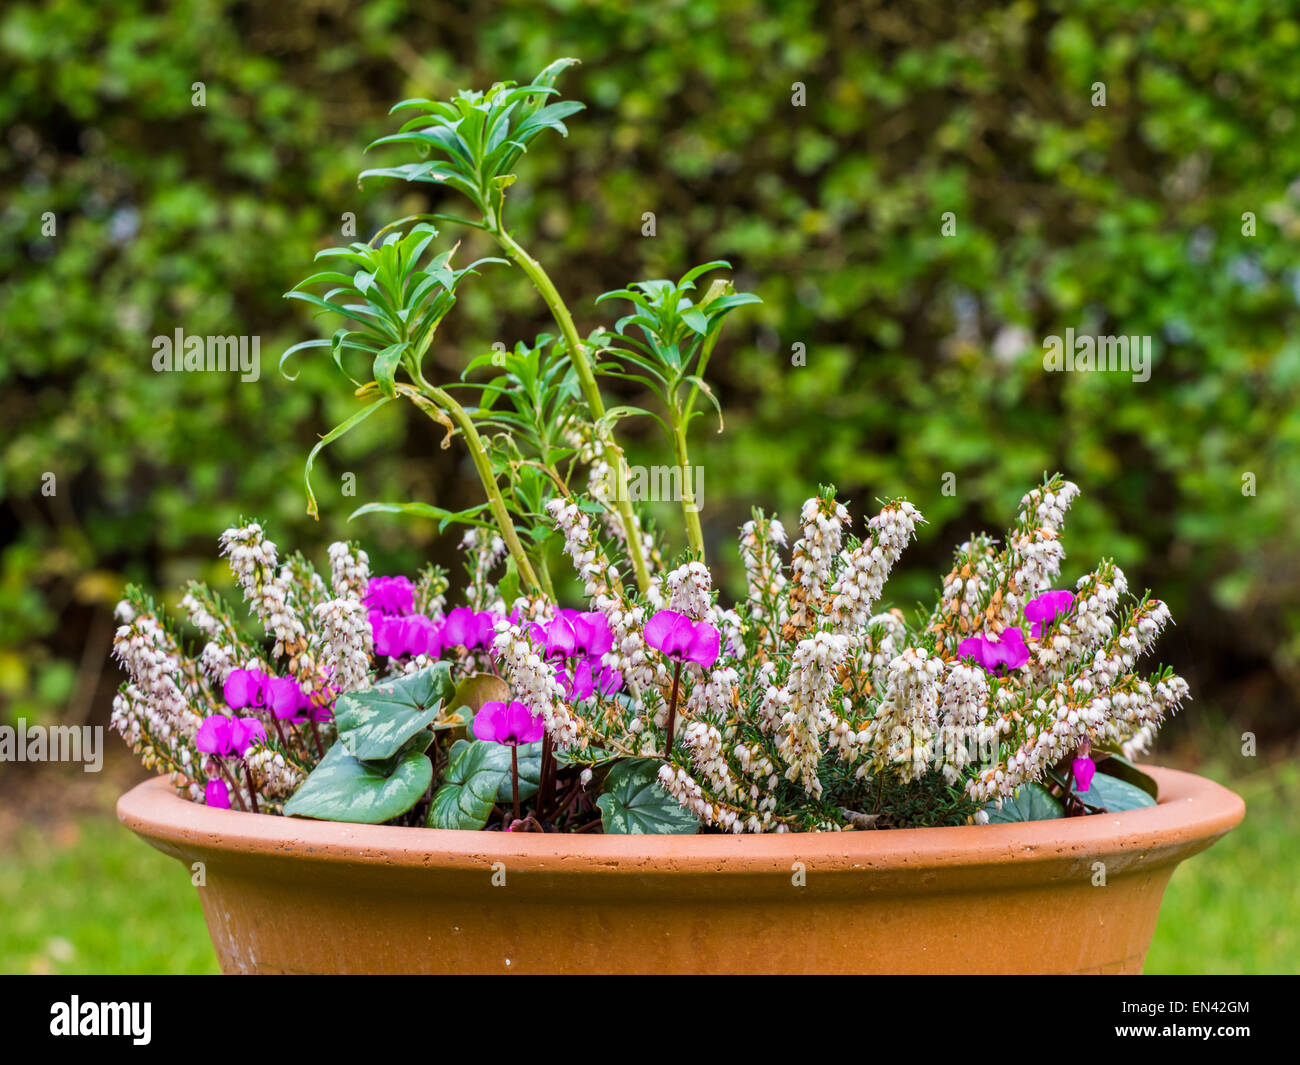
814	557
765	580
346	644
810	686
252	560
689	590
533	683
900	736
349	570
273	777
963	712
867	567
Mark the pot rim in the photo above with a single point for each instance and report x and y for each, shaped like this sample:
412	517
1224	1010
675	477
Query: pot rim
1191	809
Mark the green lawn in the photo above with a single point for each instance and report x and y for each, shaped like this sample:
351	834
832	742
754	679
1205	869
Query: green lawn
1236	907
94	899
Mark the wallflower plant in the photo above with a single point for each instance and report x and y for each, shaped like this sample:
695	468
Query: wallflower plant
649	706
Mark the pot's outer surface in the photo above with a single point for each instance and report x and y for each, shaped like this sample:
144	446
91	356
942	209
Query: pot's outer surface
1079	895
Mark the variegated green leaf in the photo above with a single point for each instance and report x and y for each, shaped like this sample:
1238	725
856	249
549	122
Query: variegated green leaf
1114	794
1031	802
374	724
341	788
635	803
477	778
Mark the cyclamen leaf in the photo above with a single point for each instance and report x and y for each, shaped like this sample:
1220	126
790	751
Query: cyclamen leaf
375	723
1119	766
477	775
341	788
1031	802
1115	794
635	803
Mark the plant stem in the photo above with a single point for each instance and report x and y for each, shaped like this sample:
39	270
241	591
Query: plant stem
234	788
546	778
672	710
514	777
248	776
496	502
690	508
591	392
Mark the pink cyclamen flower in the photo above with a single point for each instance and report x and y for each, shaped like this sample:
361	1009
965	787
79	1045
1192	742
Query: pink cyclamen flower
557	637
217	795
470	630
390	595
227	736
1083	769
1008	651
592	634
682	639
588	677
253	688
397	636
1043	609
508	723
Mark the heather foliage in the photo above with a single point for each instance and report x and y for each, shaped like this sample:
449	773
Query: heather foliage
651	705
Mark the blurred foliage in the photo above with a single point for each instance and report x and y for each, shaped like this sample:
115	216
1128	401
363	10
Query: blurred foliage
923	351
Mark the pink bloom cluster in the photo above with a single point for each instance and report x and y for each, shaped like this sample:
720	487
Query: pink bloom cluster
1007	650
575	642
400	632
279	696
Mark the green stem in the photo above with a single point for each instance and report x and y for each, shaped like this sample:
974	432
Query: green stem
672	710
496	502
690	509
587	380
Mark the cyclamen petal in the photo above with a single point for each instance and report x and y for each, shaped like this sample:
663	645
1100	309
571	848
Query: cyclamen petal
1084	770
679	637
705	645
225	736
243	688
285	699
594	636
244	732
213	736
511	724
1043	609
390	595
217	795
1008	650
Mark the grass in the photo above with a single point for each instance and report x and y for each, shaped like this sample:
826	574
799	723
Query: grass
1233	908
95	899
86	896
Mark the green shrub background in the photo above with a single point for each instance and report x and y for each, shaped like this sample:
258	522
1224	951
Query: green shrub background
923	352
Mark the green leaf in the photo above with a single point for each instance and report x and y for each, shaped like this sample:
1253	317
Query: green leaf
1119	766
635	803
477	778
1031	802
471	693
341	788
329	438
376	722
1114	794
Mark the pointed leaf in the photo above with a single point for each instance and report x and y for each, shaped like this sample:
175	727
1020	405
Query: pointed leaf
342	788
633	802
376	722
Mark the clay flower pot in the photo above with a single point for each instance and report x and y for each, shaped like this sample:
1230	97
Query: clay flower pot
291	896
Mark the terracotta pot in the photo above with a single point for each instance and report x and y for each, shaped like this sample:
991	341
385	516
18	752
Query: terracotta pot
285	895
